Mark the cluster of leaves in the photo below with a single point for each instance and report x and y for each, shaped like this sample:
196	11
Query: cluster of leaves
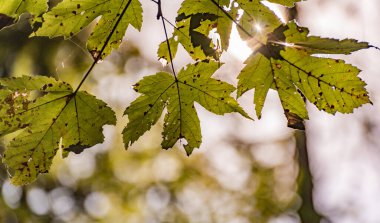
46	114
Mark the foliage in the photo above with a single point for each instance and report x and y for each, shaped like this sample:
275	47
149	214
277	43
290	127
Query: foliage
50	116
283	59
284	64
193	84
69	17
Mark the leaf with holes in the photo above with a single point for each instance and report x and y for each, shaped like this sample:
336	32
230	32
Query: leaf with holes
222	22
43	114
195	26
71	16
193	84
331	85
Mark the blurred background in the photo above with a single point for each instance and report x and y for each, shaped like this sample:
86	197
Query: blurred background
244	171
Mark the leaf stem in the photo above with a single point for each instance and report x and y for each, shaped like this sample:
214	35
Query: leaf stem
372	46
99	56
160	15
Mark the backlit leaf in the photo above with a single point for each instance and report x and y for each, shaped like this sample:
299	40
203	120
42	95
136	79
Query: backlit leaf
298	37
45	114
195	24
163	52
10	11
15	8
256	22
71	16
283	65
194	84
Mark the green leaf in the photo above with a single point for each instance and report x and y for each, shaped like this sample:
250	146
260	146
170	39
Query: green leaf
222	23
71	16
198	45
196	22
298	38
163	52
289	3
257	21
15	8
284	66
10	11
194	84
330	84
45	114
262	73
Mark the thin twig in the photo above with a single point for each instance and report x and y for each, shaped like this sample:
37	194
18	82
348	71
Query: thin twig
375	47
160	16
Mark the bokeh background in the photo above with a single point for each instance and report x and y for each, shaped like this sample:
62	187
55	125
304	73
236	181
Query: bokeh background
244	172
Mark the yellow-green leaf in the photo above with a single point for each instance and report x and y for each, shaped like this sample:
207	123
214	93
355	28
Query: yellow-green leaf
194	84
163	50
48	114
298	38
71	16
257	21
14	8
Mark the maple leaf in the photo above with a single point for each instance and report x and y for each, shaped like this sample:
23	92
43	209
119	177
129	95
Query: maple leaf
71	16
193	84
284	64
45	114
